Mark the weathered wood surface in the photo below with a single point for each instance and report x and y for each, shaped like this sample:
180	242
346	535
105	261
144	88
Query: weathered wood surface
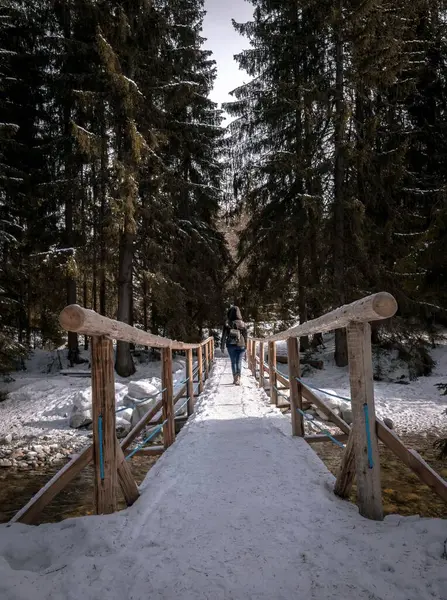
318	438
207	360
151	450
295	397
145	420
200	368
346	474
168	400
125	478
190	382
413	460
372	308
272	373
261	364
103	416
253	358
369	492
87	322
316	401
282	379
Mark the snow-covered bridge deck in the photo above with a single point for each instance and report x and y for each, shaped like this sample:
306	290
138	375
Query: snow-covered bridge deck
235	509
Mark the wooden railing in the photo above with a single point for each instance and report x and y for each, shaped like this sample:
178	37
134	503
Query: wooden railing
110	464
361	455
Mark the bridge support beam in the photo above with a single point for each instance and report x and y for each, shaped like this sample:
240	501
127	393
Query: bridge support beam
261	365
103	416
296	397
168	404
272	374
365	445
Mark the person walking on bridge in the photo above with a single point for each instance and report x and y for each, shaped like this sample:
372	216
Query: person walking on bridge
234	338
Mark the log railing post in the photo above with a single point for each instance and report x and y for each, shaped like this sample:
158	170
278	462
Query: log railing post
253	363
296	398
212	349
168	405
272	373
200	368
189	383
365	444
261	365
207	360
104	434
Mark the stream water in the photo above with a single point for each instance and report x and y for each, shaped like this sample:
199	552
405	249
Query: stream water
403	493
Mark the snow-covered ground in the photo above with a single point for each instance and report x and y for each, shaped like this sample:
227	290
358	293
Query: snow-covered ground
39	404
236	509
413	408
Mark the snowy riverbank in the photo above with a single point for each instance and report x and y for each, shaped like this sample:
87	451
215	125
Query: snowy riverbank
414	406
236	508
37	417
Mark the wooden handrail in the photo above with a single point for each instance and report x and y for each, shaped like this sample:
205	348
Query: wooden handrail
88	322
372	308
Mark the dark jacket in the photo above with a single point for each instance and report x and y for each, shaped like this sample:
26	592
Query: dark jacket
234	317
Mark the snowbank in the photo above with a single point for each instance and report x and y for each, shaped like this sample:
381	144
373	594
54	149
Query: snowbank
51	408
414	408
238	509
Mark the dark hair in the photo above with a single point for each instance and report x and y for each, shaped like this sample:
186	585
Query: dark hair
234	314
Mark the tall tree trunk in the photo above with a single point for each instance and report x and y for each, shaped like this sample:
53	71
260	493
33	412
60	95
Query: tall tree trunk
302	306
73	347
102	225
124	364
341	348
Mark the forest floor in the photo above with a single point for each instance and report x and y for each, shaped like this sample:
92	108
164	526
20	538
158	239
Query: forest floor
236	509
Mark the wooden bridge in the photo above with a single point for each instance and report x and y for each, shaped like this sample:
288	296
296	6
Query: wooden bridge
361	454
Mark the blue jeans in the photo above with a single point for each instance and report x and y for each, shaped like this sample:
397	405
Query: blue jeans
236	353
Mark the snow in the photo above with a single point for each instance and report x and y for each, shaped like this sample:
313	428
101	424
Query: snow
40	404
413	408
236	509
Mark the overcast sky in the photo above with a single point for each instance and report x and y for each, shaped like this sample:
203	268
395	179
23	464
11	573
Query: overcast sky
224	41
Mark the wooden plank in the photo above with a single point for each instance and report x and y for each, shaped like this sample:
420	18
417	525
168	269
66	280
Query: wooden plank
104	431
87	322
207	360
371	308
321	437
253	358
295	397
346	474
127	483
29	513
413	460
168	404
200	369
282	379
367	467
261	364
190	382
151	450
145	420
315	400
272	373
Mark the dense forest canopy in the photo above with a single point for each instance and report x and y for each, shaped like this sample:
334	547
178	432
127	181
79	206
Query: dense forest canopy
110	168
116	172
339	148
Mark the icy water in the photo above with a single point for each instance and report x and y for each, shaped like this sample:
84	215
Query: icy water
76	500
403	493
